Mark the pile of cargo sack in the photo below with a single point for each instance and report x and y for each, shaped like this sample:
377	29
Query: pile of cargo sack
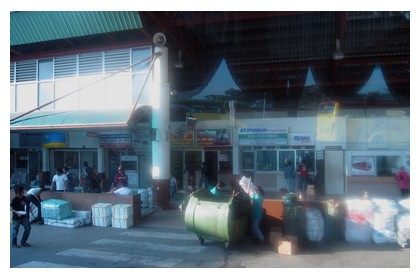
58	212
378	220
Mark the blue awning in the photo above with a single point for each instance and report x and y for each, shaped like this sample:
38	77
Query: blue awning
78	119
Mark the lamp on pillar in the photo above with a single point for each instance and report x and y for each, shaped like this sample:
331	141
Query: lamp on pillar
179	63
338	54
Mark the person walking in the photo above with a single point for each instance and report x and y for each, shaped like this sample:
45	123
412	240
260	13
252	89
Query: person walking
219	186
257	200
33	195
59	180
19	206
88	175
289	175
304	174
403	182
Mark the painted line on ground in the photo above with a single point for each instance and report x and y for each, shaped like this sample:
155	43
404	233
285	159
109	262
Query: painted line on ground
163	235
135	260
149	246
37	264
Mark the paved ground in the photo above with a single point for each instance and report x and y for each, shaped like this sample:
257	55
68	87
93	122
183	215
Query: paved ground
247	255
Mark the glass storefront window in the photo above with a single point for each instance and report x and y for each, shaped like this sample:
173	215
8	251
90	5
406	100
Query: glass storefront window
284	156
193	160
247	160
307	157
266	160
387	165
225	161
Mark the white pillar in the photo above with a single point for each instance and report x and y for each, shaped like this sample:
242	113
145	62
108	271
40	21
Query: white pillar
160	116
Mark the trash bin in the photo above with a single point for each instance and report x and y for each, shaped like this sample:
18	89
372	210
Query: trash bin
217	217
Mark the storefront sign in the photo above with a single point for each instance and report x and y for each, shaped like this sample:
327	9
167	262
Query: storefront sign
301	139
55	140
213	137
363	165
115	140
263	136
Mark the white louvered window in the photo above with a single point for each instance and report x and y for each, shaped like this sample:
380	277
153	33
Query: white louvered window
26	70
12	72
90	63
65	66
117	60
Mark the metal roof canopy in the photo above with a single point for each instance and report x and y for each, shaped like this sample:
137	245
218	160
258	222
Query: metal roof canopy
34	27
80	119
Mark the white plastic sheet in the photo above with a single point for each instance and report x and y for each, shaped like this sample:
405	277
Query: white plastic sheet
247	185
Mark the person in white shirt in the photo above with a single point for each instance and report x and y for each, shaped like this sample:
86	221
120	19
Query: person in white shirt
124	190
34	195
59	181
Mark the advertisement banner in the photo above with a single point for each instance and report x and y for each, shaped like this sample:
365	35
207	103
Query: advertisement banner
213	137
122	140
363	165
263	136
55	140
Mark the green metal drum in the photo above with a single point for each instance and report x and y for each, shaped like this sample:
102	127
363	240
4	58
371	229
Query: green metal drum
217	217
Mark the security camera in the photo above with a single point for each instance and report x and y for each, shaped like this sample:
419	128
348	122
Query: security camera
159	39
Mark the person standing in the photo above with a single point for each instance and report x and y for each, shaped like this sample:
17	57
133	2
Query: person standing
120	179
303	183
88	177
289	175
19	207
203	176
59	181
34	195
69	182
173	187
403	181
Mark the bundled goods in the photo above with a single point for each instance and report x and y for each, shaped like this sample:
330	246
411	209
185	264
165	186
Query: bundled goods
151	197
357	232
402	223
56	209
359	213
73	222
383	222
102	214
122	215
314	224
86	216
144	197
33	212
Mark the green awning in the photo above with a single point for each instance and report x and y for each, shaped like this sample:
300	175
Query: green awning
28	27
78	119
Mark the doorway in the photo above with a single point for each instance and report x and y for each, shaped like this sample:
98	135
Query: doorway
210	157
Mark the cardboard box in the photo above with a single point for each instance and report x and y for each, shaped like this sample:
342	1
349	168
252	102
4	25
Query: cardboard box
288	245
122	223
310	190
122	211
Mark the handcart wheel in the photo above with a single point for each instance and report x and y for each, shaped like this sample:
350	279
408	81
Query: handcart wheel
201	240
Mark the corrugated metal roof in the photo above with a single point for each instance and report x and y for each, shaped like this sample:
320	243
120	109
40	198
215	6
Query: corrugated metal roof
34	26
